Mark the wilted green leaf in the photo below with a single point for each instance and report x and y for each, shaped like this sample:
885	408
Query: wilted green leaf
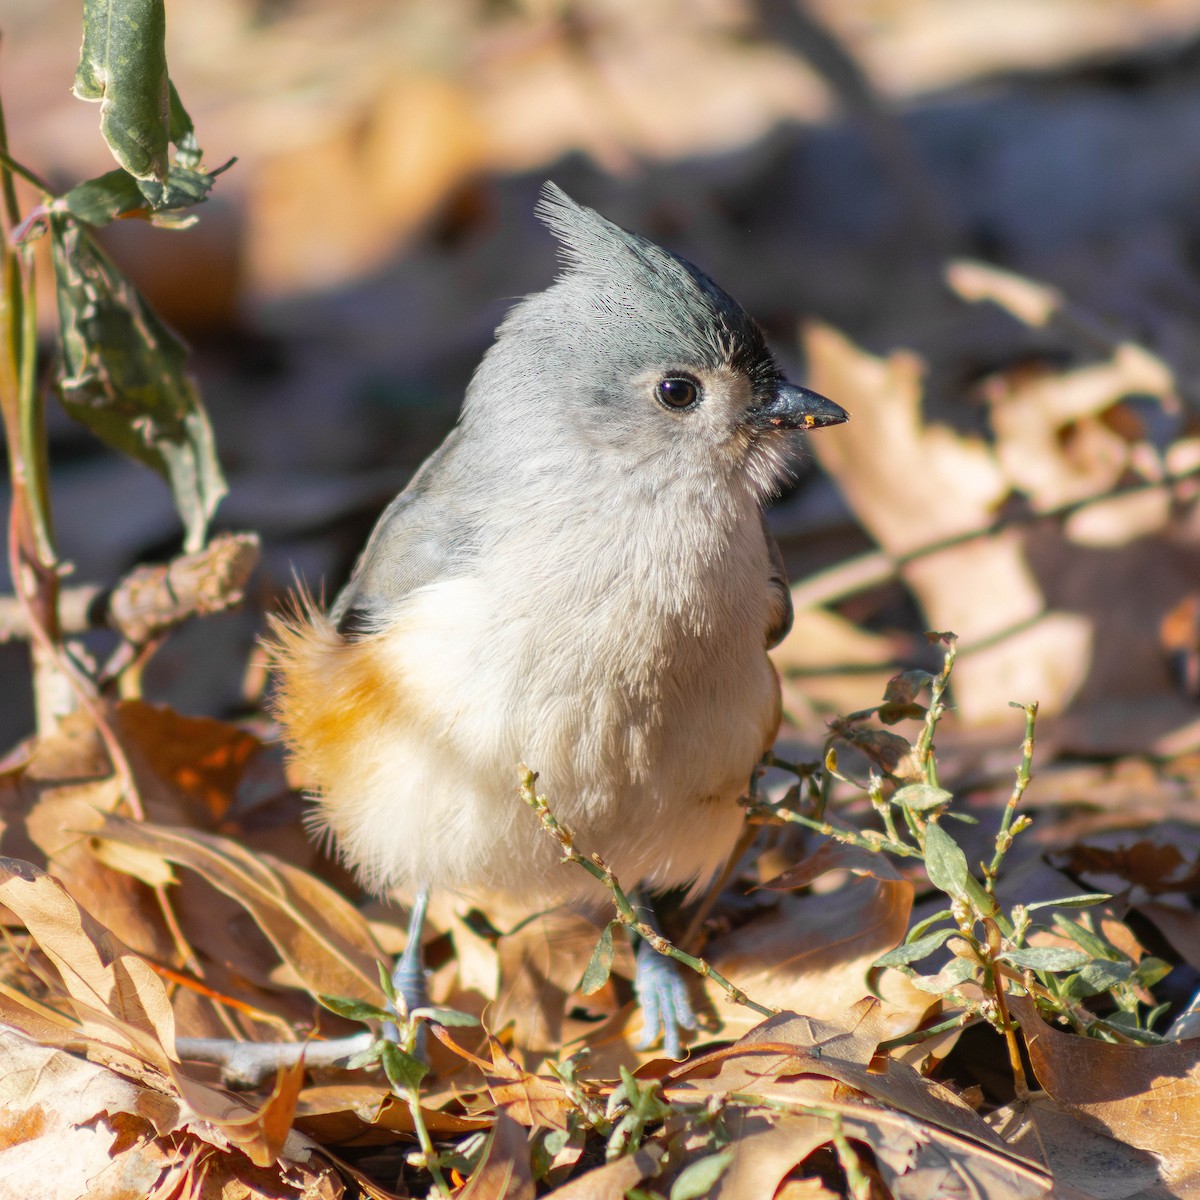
123	65
117	194
905	687
595	975
883	748
1046	958
1098	976
185	186
915	951
893	714
123	376
945	863
181	131
921	797
355	1010
101	200
700	1177
403	1069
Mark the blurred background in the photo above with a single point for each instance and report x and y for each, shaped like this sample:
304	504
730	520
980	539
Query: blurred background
1021	466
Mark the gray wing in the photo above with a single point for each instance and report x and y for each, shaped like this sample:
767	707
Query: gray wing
781	595
418	540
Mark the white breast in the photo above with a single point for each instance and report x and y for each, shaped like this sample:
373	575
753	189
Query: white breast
640	691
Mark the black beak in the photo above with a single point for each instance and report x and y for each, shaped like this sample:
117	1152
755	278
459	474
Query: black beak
795	407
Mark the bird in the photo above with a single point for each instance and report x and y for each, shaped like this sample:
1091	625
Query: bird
579	578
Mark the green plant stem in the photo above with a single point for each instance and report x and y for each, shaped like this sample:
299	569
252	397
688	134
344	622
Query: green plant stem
1004	836
431	1160
937	689
857	1180
867	839
31	556
12	167
930	1031
599	870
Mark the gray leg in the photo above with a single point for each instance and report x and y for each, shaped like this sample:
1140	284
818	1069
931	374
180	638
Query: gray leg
661	992
408	978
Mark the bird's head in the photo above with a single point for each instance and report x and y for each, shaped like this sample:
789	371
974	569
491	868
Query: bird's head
640	355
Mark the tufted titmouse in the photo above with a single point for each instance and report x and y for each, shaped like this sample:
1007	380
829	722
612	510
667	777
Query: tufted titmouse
579	578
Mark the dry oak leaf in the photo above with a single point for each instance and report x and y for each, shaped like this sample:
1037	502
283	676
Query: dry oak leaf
811	954
1145	1096
321	937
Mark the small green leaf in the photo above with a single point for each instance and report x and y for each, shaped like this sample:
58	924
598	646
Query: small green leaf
404	1070
355	1010
921	797
956	971
367	1057
918	930
945	863
595	974
123	65
1046	958
1084	901
445	1016
1085	938
700	1177
912	952
386	983
1098	976
124	376
1151	971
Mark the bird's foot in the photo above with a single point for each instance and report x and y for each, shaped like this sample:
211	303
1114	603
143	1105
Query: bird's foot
667	1011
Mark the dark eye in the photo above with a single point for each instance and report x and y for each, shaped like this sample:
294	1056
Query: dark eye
676	392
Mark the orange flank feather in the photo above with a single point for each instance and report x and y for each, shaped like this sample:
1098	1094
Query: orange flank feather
332	693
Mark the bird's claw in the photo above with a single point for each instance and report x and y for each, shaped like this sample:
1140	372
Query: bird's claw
667	1011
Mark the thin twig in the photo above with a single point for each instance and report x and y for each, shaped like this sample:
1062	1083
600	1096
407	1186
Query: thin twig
599	870
249	1063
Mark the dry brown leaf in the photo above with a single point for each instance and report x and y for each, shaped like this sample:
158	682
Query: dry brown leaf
64	1116
766	1146
99	973
531	1100
504	1172
1076	1153
613	1180
186	769
61	1126
811	953
1145	1096
788	1045
364	1113
323	939
541	964
1031	412
983	588
1155	866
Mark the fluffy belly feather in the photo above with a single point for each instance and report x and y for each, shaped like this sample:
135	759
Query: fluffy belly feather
412	740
